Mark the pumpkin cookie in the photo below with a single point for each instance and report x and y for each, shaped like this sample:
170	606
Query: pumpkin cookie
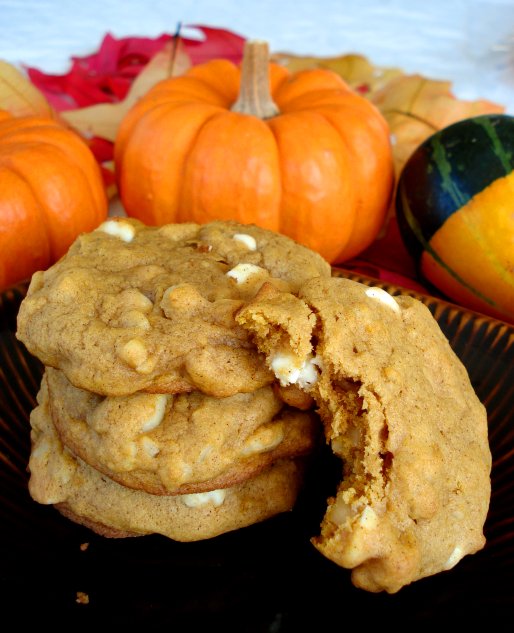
178	443
134	308
398	408
86	496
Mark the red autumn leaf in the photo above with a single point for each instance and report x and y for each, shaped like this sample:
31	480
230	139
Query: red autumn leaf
53	87
218	43
101	148
101	120
103	77
106	75
123	55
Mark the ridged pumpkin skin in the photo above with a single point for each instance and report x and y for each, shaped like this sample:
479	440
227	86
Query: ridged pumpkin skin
455	209
320	171
51	190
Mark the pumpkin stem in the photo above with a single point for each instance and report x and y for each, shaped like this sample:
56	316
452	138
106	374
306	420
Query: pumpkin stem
254	93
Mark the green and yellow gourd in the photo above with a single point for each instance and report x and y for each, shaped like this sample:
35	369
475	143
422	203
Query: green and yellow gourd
455	211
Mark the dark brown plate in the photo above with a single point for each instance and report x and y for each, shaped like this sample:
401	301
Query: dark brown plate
264	578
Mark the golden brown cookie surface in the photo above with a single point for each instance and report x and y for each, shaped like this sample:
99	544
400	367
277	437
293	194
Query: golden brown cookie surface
133	308
88	497
178	443
398	408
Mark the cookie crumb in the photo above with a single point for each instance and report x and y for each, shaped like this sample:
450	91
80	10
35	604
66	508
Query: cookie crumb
82	598
84	546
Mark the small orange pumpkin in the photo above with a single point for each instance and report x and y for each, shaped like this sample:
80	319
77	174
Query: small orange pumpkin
51	189
301	154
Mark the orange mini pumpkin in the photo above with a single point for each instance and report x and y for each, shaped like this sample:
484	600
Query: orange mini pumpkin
300	153
51	190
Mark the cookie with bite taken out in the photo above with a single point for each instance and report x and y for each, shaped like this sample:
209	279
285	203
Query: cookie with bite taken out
399	410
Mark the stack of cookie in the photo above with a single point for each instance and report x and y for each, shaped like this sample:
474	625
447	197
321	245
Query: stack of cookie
156	412
183	367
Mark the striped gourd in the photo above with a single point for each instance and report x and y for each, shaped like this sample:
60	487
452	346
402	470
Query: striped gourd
455	210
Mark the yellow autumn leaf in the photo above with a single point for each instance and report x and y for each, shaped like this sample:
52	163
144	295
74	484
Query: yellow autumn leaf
355	69
19	96
103	119
415	107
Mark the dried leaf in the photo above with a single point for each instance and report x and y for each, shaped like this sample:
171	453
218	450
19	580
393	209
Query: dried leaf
415	107
356	70
102	120
19	96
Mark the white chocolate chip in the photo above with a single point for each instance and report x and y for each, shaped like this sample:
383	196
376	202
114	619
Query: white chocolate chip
134	318
454	558
340	511
167	294
196	500
147	366
368	519
381	295
285	369
242	272
205	452
133	299
134	353
308	372
167	301
42	449
183	297
150	447
308	375
352	438
118	228
187	470
158	415
247	240
288	370
48	455
263	440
